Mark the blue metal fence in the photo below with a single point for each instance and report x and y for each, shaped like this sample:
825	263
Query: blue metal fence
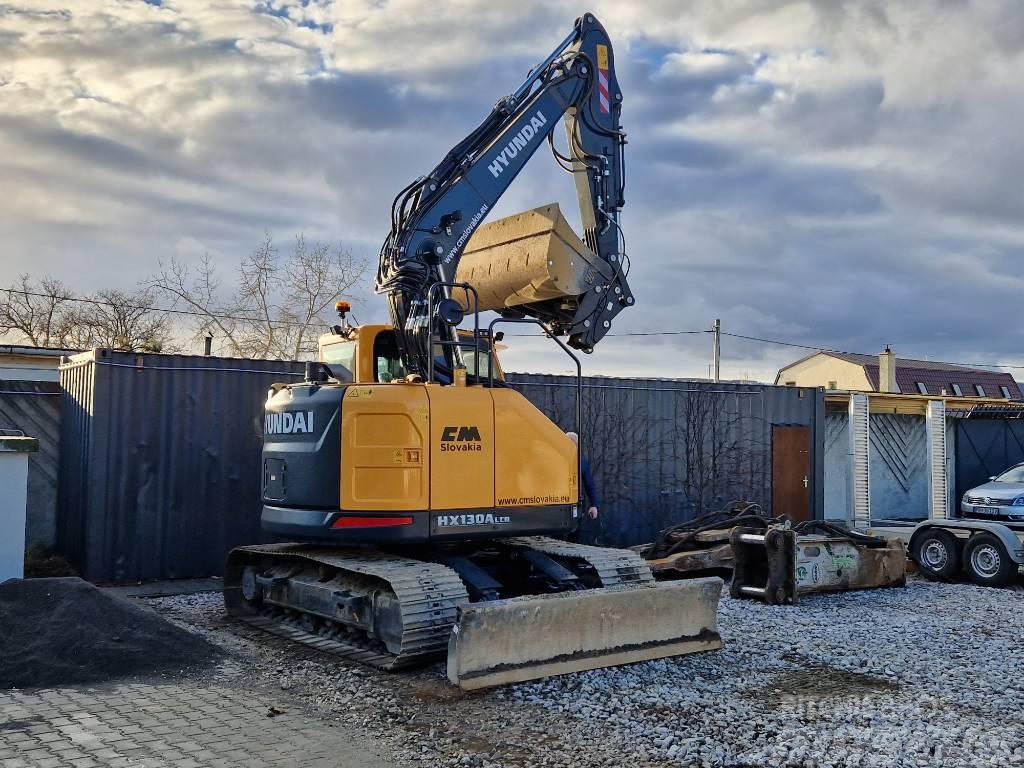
663	451
160	454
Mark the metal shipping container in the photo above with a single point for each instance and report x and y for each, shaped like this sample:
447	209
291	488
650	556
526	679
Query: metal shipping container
160	454
663	450
160	461
33	408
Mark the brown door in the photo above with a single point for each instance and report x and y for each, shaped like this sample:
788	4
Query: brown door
791	472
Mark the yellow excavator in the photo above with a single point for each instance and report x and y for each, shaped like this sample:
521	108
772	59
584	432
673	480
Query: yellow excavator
427	503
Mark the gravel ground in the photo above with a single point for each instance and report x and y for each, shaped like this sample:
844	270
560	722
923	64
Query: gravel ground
928	675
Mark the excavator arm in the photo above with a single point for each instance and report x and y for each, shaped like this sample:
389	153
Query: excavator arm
435	216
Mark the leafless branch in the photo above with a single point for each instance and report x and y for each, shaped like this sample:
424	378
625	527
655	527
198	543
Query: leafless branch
275	305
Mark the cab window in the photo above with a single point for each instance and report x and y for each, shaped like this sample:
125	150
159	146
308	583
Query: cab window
387	361
471	359
341	359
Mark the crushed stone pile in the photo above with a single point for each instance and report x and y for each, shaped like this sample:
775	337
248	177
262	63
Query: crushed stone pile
65	631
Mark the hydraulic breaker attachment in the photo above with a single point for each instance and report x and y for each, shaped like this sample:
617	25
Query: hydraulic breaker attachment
526	638
780	564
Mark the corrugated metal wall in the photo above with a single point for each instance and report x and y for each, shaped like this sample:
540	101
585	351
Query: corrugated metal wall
34	407
160	461
664	451
983	448
899	467
160	467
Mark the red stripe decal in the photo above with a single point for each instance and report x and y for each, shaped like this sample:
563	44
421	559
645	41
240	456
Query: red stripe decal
602	90
370	522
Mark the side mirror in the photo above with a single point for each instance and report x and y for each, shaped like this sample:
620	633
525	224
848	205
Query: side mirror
450	312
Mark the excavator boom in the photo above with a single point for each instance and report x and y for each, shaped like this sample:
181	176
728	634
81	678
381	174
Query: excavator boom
434	218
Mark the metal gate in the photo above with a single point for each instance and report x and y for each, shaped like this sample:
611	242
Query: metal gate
985	447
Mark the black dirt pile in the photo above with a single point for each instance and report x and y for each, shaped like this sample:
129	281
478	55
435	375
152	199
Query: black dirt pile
57	632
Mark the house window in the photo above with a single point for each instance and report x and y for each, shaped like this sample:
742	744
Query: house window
980	390
922	388
956	390
1005	391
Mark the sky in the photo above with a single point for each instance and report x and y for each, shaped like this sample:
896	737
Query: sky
831	174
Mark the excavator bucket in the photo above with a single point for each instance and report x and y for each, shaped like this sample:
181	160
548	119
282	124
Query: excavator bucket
527	258
525	638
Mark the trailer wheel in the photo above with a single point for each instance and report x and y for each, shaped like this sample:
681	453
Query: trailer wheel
987	562
937	553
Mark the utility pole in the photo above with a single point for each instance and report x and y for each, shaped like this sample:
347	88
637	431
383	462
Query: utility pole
718	349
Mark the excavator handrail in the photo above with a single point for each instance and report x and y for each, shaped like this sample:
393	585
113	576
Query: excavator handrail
441	286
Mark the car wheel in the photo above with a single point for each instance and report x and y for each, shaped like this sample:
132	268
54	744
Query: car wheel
987	562
937	553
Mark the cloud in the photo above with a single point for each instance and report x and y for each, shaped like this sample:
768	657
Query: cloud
835	173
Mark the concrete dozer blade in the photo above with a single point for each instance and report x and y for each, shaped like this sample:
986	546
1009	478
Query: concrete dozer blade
527	258
525	638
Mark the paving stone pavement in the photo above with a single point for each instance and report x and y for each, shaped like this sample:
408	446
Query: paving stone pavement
179	724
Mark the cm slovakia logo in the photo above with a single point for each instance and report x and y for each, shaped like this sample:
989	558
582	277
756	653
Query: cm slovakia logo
461	439
520	141
458	521
288	423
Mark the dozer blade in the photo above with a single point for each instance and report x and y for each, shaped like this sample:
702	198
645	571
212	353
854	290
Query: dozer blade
525	638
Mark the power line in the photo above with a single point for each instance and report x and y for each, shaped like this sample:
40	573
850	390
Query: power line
239	318
786	343
866	354
660	333
796	345
619	335
168	310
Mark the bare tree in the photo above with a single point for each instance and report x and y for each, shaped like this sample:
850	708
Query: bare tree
125	321
276	307
47	313
719	447
37	312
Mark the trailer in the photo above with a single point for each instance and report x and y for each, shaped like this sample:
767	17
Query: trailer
949	543
988	552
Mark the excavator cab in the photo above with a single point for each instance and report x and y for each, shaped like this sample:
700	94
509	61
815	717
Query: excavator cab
367	354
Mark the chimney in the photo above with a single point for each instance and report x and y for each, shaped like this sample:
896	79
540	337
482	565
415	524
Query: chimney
887	371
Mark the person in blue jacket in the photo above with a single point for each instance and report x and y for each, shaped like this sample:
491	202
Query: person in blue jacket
591	498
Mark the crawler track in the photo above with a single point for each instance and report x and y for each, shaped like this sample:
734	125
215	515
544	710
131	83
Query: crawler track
429	593
613	567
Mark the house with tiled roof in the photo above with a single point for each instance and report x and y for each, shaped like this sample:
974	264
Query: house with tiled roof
888	374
